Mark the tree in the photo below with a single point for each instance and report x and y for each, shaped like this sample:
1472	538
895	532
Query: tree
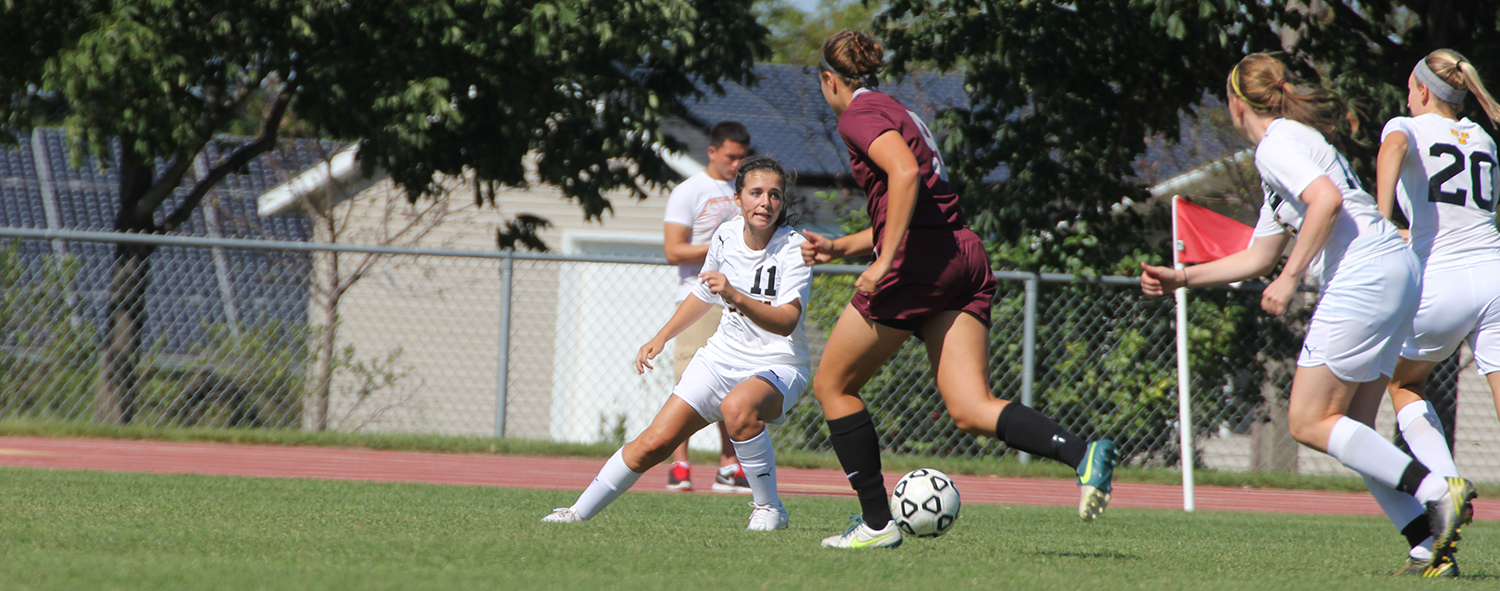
428	88
797	37
1063	94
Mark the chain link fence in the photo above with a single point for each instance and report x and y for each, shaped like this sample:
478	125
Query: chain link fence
262	334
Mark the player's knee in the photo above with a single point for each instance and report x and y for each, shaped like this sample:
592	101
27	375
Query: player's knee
654	446
740	417
828	387
1305	430
966	422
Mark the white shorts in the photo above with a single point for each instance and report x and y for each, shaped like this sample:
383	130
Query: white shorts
707	380
1458	305
1363	317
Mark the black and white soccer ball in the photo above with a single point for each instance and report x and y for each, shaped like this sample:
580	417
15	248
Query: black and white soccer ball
925	503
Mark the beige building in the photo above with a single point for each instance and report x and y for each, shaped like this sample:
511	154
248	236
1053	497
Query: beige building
417	345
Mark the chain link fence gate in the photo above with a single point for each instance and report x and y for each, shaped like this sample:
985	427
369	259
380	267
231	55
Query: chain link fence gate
263	334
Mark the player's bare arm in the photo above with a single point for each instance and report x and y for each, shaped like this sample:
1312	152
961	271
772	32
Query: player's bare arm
689	312
894	157
820	249
678	246
1255	261
1324	202
1388	173
780	320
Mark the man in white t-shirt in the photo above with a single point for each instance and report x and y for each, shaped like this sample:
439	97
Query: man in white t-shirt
696	208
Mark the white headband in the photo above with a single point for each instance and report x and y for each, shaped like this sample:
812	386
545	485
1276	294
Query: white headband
1437	86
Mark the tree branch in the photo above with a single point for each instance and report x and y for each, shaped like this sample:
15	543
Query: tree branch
172	176
270	127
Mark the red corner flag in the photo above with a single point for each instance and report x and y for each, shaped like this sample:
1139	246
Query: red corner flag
1199	235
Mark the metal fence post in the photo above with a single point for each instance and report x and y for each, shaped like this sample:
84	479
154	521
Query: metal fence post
502	378
1028	350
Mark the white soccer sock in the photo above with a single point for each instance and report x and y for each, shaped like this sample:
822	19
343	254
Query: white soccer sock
613	480
758	460
1401	509
1423	432
1359	447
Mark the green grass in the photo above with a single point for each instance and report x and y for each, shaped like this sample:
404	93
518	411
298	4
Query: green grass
790	459
92	530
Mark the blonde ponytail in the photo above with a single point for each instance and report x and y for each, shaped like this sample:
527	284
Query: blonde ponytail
1476	86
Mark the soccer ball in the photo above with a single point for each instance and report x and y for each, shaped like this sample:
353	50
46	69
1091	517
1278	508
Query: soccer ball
925	503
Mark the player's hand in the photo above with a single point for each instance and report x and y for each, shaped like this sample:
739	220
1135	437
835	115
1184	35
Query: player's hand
718	284
648	352
1278	295
817	249
1156	281
869	279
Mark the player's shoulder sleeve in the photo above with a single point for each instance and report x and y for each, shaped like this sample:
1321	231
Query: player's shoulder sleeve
681	203
862	123
1286	166
712	262
1405	125
796	276
1266	224
716	243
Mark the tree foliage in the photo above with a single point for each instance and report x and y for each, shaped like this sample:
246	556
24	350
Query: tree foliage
428	88
1063	94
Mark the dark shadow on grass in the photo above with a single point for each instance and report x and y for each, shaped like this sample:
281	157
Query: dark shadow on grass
1110	555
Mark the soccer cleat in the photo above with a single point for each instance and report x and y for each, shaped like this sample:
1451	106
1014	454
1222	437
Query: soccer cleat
563	515
1444	567
767	517
731	479
860	536
1094	475
679	476
1448	515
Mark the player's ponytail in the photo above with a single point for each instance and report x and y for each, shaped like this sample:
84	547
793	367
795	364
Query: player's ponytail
1455	75
1265	84
854	56
765	164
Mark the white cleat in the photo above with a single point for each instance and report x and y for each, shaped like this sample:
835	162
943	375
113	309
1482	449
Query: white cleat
768	517
1091	502
563	515
860	536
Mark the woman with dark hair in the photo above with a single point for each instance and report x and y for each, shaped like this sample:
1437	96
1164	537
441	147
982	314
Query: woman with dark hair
930	278
1369	284
753	368
1438	171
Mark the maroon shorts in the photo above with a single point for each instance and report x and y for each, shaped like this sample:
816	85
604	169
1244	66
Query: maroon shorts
936	270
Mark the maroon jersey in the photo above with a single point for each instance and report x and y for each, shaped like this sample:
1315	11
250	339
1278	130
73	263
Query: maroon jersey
940	265
871	114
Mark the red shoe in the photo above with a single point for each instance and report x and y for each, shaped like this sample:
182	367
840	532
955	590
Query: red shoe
731	479
679	476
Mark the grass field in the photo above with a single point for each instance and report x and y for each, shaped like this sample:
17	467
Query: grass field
88	530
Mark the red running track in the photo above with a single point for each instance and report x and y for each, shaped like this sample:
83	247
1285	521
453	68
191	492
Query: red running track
574	474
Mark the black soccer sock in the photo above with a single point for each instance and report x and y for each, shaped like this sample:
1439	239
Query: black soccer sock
1411	478
858	448
1025	429
1417	531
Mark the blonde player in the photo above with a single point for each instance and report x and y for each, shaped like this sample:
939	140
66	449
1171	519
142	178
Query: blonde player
754	366
1438	171
1369	290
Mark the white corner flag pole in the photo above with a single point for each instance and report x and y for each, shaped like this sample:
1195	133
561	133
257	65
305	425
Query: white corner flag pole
1184	403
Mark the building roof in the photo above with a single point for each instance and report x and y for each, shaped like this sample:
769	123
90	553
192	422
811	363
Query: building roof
789	120
189	289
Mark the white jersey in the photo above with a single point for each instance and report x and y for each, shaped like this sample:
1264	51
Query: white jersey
1289	158
775	275
700	203
1447	190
